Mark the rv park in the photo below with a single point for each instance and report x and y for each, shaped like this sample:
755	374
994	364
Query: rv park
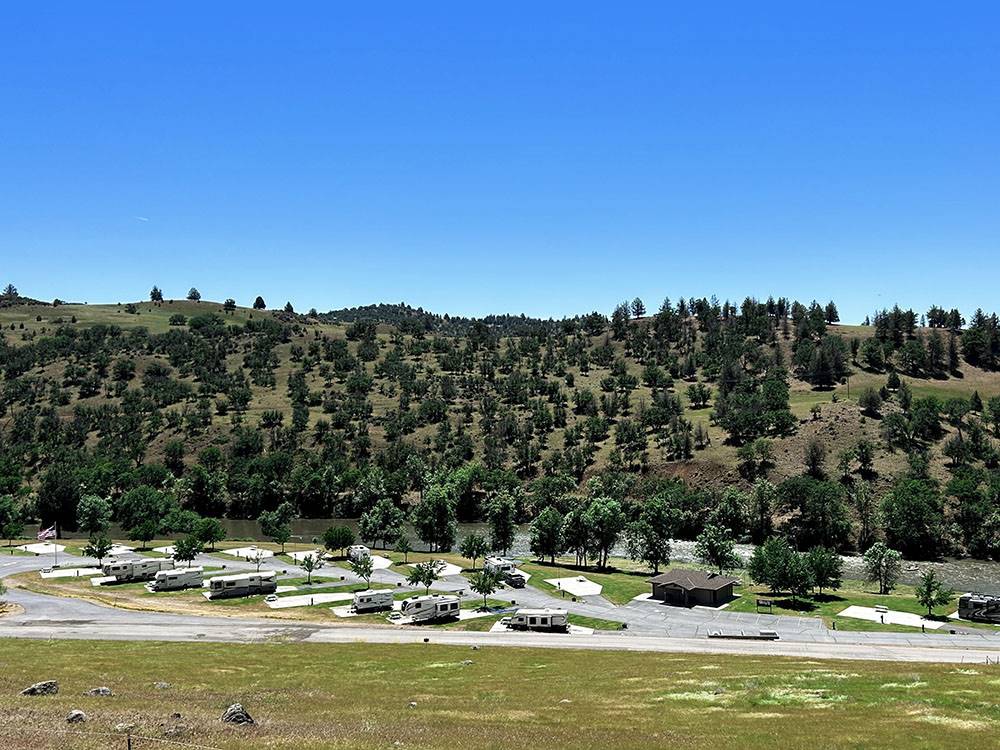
269	629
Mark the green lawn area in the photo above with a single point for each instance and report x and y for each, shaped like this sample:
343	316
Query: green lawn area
828	604
491	698
619	586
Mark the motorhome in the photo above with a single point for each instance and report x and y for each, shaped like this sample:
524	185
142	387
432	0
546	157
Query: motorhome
552	620
176	579
500	566
979	607
241	584
372	600
128	571
430	607
357	552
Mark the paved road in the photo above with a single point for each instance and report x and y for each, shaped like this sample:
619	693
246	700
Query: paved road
651	627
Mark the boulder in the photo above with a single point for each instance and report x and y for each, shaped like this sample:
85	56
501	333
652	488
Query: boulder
236	714
125	726
162	685
48	687
76	716
100	691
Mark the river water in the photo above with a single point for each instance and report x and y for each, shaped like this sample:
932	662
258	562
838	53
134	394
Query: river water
961	575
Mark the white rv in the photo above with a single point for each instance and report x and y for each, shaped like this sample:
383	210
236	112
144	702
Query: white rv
538	619
176	579
241	584
358	551
127	571
500	566
430	607
372	600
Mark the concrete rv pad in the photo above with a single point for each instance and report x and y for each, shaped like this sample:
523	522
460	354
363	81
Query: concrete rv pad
71	573
246	552
42	548
445	569
301	556
576	586
380	563
892	617
165	551
308	600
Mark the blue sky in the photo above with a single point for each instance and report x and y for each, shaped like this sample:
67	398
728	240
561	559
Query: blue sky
546	158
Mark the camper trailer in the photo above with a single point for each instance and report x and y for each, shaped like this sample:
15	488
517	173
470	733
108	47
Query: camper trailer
499	566
372	600
241	584
357	552
128	571
979	607
176	579
552	620
430	607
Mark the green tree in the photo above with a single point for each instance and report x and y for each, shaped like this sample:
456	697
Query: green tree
98	547
473	547
546	534
769	563
648	537
715	548
11	520
382	523
258	304
423	574
434	519
187	549
931	593
484	582
826	568
501	514
913	513
338	537
605	519
93	514
277	524
313	562
363	567
402	545
209	531
883	566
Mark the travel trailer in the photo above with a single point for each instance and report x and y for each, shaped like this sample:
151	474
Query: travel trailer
979	607
176	579
430	607
552	620
128	571
358	551
372	600
500	566
241	584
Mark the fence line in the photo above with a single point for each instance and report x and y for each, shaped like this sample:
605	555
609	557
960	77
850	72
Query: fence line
125	737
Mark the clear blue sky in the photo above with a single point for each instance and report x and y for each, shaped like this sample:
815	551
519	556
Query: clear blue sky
546	158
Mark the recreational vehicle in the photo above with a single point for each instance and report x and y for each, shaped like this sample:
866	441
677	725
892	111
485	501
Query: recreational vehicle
499	566
979	607
241	584
176	579
372	600
553	620
357	552
127	571
430	607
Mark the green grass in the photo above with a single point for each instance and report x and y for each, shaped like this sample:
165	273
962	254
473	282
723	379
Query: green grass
830	603
312	696
619	586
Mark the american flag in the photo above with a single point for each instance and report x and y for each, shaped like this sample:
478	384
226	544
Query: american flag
49	533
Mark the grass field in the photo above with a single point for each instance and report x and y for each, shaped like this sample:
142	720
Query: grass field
426	696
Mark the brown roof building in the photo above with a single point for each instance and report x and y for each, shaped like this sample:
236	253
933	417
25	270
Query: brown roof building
690	587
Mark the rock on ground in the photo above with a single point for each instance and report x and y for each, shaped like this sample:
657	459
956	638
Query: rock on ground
48	687
76	716
102	691
236	714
